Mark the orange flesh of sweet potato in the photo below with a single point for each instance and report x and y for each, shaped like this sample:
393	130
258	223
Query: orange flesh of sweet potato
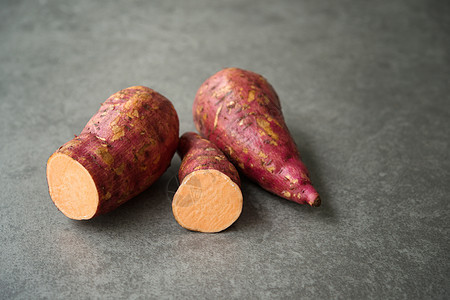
207	201
122	150
72	188
209	198
240	112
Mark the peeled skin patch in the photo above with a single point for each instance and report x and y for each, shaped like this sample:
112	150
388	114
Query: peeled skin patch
207	201
71	187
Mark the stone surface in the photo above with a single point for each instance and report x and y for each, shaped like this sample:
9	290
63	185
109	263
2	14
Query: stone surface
365	90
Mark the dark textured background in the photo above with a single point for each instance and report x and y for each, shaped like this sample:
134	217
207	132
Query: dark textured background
365	89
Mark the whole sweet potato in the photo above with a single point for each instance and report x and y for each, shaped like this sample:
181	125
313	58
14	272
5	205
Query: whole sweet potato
124	148
240	112
209	198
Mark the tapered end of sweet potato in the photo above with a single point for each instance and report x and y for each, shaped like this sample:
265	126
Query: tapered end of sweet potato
207	201
310	195
71	187
316	202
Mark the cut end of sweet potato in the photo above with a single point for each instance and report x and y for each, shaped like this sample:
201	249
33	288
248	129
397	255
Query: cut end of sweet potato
207	201
71	187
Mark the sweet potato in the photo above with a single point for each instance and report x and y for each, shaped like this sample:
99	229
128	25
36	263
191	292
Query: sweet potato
240	112
209	198
123	149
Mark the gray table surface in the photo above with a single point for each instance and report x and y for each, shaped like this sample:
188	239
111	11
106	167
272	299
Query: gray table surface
365	89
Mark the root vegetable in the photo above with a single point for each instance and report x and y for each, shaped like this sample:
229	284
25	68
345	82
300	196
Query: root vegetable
240	112
125	147
209	198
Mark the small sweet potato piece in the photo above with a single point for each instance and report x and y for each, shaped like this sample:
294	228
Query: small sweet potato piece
125	147
209	198
240	112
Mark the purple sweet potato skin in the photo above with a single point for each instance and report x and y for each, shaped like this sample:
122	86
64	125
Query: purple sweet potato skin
127	145
240	112
200	154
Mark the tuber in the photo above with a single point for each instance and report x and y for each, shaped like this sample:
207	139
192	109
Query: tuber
240	112
125	147
209	198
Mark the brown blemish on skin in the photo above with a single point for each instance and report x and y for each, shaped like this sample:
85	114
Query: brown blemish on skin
130	103
199	109
157	158
265	125
286	193
230	151
217	116
263	162
270	169
118	131
270	119
133	114
305	176
292	180
121	200
223	90
120	169
251	96
241	165
105	155
141	151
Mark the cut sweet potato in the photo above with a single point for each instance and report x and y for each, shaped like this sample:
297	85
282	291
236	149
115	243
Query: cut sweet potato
209	198
207	201
123	149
